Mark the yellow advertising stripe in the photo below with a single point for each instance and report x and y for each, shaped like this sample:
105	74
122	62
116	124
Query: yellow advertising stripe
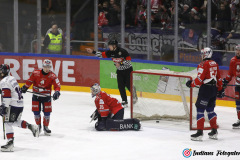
141	94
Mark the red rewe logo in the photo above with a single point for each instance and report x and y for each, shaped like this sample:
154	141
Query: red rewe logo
117	60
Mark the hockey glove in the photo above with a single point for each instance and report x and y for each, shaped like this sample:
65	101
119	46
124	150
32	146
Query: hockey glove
188	84
56	95
94	116
0	91
3	110
221	94
98	54
225	83
24	89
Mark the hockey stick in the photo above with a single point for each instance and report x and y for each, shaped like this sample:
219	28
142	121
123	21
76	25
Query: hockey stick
3	120
39	94
231	97
93	116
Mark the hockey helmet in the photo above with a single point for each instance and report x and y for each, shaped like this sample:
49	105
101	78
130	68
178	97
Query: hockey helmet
47	63
237	47
95	89
113	42
206	53
4	69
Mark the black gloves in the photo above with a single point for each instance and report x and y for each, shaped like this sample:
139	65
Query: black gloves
56	95
24	89
221	94
188	84
3	110
225	83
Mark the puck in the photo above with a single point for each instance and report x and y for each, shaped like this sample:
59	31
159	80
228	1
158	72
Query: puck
157	121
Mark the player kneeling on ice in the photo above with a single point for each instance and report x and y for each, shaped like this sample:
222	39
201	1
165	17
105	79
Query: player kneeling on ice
210	83
110	113
12	107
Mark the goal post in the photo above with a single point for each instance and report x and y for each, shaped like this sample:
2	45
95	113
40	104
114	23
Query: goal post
162	94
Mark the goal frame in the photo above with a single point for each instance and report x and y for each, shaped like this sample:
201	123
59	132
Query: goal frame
167	74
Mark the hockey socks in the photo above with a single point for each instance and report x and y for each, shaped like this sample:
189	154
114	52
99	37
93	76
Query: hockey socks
37	119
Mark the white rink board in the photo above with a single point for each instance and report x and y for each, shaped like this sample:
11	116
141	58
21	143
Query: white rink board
74	138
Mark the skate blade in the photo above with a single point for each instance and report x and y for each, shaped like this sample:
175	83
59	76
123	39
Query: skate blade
47	134
236	127
10	149
196	138
213	137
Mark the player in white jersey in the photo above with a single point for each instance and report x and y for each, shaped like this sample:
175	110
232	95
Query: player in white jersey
11	107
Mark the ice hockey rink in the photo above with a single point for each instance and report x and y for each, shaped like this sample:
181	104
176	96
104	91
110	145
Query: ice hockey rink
74	138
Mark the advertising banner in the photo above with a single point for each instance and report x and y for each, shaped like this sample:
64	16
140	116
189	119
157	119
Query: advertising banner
80	71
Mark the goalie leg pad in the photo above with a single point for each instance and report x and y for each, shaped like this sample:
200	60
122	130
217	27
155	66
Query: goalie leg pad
122	125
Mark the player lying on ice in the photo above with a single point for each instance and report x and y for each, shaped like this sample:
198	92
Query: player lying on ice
210	82
11	107
110	113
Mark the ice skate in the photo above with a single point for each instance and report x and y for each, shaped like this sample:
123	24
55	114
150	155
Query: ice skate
236	125
47	131
125	104
34	129
213	134
40	128
8	147
197	136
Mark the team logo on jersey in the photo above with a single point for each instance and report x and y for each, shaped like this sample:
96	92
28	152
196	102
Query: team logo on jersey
120	53
187	152
42	82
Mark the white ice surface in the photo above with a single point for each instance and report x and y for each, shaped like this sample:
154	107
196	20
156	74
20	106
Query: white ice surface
74	138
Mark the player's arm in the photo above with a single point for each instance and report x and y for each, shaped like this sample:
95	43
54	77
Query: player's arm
29	82
98	53
229	75
219	80
6	98
57	87
200	77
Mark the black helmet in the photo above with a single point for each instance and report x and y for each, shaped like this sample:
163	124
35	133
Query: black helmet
113	42
4	69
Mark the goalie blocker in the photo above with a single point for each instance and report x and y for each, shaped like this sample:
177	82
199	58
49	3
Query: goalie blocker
110	113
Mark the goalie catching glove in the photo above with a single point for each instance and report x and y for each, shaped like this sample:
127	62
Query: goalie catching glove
188	84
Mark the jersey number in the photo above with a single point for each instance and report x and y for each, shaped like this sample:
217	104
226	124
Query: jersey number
17	89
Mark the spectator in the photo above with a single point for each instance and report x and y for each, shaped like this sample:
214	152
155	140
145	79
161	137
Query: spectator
102	20
162	18
184	15
142	16
113	14
196	20
53	41
130	12
224	17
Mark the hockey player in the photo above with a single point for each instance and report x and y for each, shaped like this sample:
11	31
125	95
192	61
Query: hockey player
12	107
42	80
122	61
110	113
210	83
234	71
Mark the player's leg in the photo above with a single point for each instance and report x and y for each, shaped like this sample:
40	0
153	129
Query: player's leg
47	109
119	114
121	87
10	138
36	108
237	94
212	116
127	81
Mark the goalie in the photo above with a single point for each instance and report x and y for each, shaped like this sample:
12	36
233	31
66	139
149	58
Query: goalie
110	113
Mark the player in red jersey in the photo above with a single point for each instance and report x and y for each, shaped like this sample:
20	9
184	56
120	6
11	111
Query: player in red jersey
234	71
110	113
42	80
210	83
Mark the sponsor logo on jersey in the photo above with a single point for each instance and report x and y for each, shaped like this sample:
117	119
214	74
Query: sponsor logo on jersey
117	60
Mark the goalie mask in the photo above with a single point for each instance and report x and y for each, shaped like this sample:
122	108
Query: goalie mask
4	70
47	63
95	89
206	53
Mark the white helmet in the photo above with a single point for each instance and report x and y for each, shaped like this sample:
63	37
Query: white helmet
47	63
206	53
237	47
95	89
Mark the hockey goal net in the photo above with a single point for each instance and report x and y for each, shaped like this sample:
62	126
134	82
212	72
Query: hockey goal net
162	94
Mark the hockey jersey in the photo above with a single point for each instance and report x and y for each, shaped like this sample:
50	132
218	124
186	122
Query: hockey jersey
234	70
11	94
121	56
208	70
107	105
43	83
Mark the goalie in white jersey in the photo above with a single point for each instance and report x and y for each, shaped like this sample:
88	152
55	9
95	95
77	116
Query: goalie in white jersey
11	107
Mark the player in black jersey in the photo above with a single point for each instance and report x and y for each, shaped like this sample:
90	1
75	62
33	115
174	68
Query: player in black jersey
122	61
